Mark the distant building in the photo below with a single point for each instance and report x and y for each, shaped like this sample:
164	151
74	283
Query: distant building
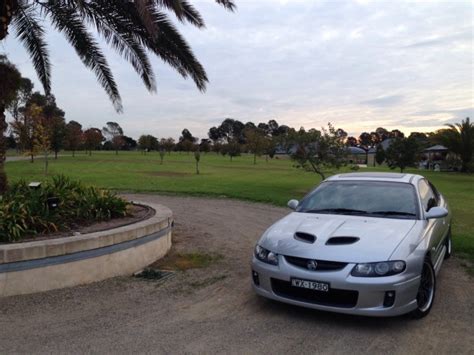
437	157
356	155
371	156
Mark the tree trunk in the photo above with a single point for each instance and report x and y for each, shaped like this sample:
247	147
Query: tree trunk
3	128
255	158
55	154
197	167
45	163
116	152
32	157
90	152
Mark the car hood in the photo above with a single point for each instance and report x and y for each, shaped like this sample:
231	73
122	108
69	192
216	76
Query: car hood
378	237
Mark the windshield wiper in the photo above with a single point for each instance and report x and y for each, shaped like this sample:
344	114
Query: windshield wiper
393	213
337	211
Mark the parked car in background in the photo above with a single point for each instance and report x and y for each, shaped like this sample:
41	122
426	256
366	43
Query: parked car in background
360	243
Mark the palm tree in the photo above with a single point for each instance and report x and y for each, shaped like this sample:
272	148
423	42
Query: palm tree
133	28
459	138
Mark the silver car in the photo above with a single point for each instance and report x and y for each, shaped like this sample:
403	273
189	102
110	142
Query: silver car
360	243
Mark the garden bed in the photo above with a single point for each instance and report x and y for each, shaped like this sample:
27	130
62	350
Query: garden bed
136	213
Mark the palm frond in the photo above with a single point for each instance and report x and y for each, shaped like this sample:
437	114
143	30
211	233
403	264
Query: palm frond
116	29
162	38
172	48
69	22
31	34
184	11
228	4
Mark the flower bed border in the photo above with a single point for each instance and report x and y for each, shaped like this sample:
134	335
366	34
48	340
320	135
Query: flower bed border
56	263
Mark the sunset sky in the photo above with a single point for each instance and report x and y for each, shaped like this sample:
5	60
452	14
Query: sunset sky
357	64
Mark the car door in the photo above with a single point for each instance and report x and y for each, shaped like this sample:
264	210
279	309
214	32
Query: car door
437	227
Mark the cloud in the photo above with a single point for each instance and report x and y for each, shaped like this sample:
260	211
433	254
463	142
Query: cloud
384	101
299	62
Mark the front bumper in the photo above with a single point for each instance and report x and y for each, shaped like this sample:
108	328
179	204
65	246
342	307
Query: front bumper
369	292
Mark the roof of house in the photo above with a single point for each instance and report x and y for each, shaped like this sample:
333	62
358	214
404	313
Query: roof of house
356	150
436	148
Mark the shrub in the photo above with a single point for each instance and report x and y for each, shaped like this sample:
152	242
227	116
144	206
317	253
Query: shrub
25	211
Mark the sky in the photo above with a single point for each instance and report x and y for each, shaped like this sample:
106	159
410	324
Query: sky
357	64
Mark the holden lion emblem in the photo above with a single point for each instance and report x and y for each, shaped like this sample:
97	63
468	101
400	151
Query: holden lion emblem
312	265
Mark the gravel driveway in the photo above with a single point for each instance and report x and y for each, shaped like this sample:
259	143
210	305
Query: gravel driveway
213	310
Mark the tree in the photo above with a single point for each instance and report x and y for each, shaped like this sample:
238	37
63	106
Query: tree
114	134
365	140
229	130
93	138
9	85
128	143
402	153
459	138
205	145
56	126
255	139
162	155
42	143
167	144
73	136
232	149
54	123
132	28
379	154
197	157
25	128
22	96
147	143
319	150
351	141
186	141
421	138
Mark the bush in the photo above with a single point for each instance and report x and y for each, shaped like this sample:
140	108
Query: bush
25	211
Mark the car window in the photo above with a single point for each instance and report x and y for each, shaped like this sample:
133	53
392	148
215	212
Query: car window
428	198
381	199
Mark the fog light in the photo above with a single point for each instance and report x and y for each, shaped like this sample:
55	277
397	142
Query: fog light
255	278
389	299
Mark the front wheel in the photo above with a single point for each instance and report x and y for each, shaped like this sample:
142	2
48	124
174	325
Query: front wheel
426	291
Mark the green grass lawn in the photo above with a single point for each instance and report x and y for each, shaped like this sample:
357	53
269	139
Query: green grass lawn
275	181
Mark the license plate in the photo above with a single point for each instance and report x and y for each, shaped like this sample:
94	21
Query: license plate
310	285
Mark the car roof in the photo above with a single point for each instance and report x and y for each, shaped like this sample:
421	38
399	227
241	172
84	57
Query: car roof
374	176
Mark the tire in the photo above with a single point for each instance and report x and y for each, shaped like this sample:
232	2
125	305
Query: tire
449	247
427	290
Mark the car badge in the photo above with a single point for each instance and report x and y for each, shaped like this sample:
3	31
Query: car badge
312	265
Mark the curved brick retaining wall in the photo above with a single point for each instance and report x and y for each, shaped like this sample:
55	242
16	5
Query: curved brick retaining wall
56	263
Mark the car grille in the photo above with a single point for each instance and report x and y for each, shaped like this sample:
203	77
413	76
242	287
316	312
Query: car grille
334	297
322	265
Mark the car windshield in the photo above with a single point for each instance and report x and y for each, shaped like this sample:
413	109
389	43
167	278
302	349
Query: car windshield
370	198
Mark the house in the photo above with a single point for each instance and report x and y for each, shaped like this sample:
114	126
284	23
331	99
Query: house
356	155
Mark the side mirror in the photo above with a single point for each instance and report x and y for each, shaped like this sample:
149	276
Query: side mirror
293	204
436	212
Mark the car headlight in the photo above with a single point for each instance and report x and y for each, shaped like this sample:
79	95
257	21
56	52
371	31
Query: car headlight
265	255
385	268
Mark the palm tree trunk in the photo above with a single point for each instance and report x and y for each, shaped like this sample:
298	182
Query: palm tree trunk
3	128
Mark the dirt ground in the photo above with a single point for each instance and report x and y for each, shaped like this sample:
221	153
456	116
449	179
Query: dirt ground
213	309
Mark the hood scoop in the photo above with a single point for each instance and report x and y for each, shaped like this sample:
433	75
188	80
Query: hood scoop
305	237
341	240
